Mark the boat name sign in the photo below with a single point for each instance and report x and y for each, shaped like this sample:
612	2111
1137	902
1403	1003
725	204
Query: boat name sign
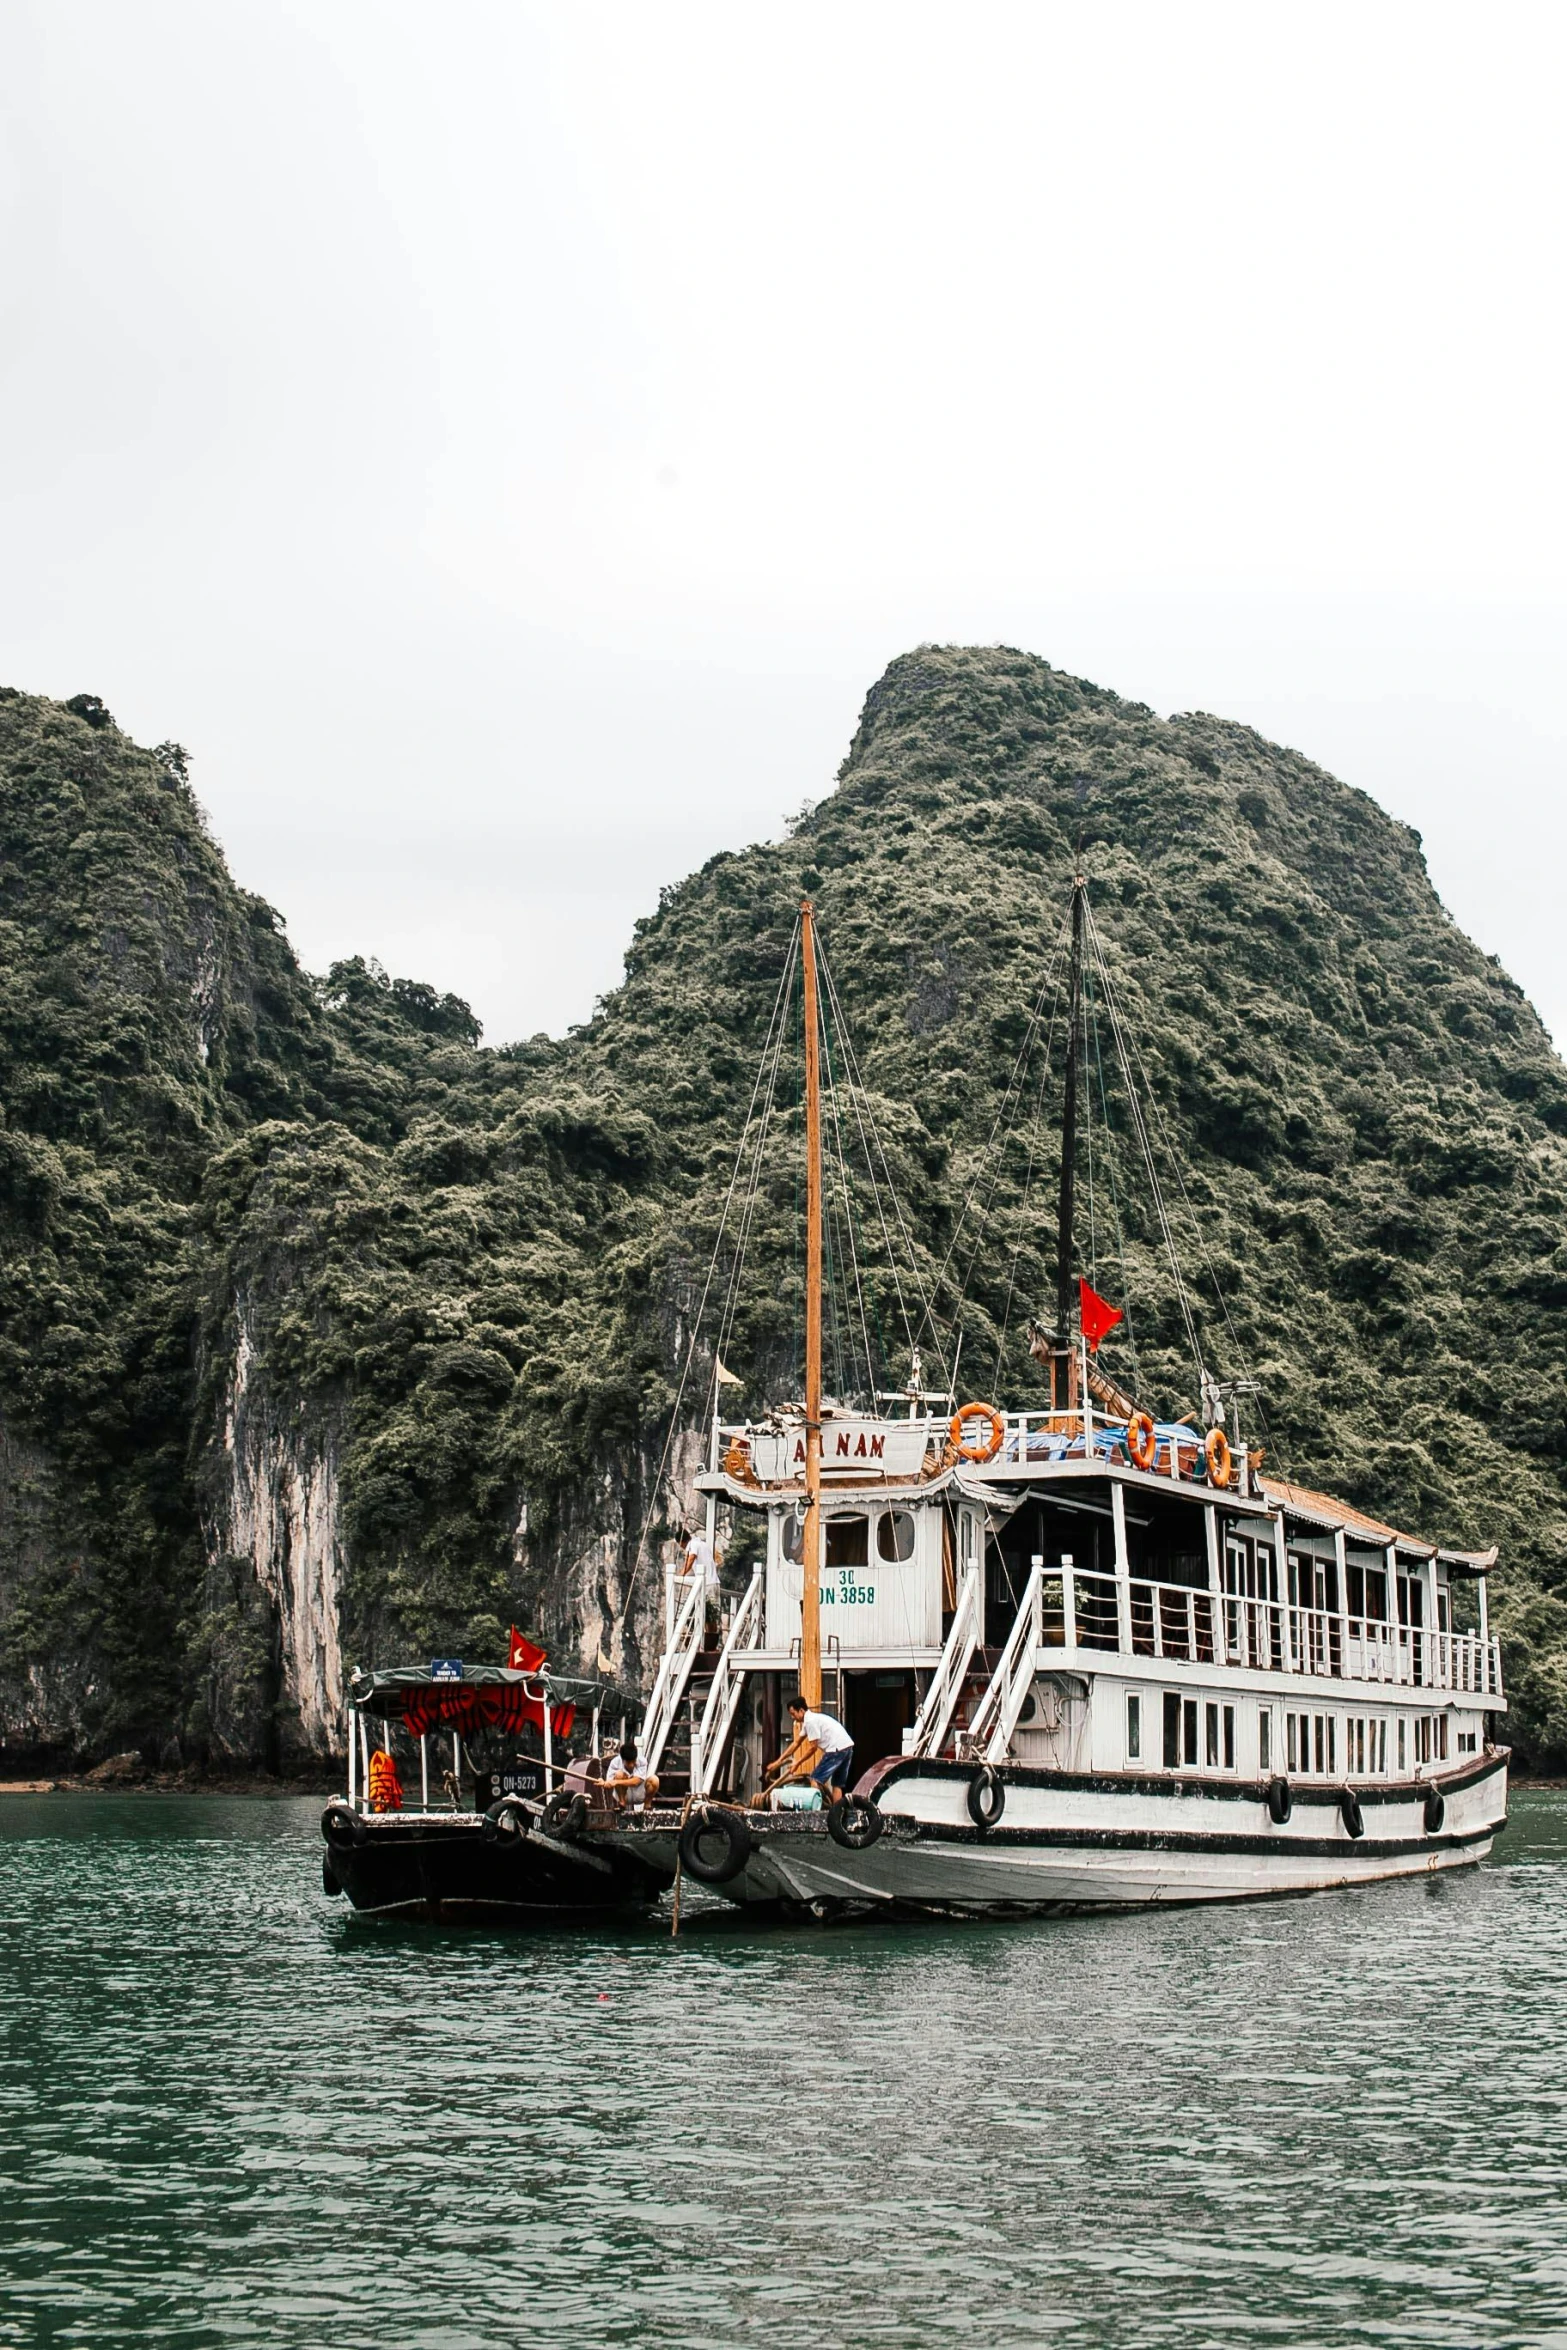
889	1448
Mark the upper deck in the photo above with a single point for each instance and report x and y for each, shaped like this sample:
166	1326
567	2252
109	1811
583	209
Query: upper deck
1158	1562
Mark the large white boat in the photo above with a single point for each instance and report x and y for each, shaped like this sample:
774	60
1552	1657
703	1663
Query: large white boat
1087	1658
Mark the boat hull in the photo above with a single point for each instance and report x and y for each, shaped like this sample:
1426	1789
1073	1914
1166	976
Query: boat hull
447	1867
1067	1843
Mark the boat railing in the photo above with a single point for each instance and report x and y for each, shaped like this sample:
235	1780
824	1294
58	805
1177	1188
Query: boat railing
941	1698
746	1630
989	1732
1262	1635
680	1654
1035	1439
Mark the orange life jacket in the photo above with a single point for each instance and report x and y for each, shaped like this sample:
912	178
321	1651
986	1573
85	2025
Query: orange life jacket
386	1788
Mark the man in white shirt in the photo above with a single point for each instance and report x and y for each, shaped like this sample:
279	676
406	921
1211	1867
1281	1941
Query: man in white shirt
701	1561
622	1777
831	1774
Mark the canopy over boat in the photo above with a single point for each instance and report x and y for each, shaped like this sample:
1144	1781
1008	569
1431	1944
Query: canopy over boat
485	1697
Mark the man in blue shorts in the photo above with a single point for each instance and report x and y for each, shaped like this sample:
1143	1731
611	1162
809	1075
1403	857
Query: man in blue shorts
832	1772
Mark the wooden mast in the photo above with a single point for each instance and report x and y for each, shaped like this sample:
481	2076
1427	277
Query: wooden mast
811	1541
1063	1363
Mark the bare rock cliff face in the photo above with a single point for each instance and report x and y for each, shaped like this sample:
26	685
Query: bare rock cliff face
275	1573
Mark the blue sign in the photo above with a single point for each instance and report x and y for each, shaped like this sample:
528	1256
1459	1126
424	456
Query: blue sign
446	1668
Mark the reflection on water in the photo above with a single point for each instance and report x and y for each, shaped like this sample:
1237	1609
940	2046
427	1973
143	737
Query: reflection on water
235	2114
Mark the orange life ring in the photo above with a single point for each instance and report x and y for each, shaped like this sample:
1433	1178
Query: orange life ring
1141	1442
737	1460
1216	1452
991	1445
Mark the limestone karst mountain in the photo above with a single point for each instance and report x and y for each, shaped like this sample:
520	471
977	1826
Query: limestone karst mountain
326	1332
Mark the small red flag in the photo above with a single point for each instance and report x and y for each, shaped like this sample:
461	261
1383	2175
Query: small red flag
1098	1315
523	1656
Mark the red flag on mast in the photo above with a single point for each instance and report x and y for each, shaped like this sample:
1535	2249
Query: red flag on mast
1099	1317
523	1656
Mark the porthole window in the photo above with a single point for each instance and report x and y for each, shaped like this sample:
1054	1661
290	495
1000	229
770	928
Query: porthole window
895	1535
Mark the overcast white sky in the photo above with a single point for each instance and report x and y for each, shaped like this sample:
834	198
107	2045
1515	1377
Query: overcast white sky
503	442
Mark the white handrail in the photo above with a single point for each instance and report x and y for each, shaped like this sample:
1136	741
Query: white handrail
674	1671
941	1698
996	1715
746	1630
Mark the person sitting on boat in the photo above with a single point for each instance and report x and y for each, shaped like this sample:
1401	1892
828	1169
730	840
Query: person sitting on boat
623	1778
831	1772
702	1561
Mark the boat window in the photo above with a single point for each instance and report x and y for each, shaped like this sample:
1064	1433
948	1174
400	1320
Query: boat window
1134	1727
1441	1737
1229	1737
1189	1732
1212	1727
1403	1759
1265	1739
1172	1731
895	1535
848	1542
794	1537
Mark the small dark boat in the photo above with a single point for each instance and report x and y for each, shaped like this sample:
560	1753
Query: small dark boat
509	1849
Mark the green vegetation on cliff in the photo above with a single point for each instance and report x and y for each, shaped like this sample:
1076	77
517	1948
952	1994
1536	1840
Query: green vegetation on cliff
464	1277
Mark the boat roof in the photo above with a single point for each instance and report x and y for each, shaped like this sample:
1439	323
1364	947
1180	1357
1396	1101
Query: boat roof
390	1692
1304	1501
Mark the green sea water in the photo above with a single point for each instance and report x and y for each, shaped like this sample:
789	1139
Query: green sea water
233	2113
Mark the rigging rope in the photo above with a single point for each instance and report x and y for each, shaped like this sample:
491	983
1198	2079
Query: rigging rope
772	1045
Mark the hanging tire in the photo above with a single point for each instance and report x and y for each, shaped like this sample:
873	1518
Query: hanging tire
855	1823
505	1822
714	1846
329	1884
987	1799
1435	1811
342	1827
1280	1802
1349	1812
564	1816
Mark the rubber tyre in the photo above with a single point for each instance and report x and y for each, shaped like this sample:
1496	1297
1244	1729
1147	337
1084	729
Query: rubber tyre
343	1829
1280	1802
329	1884
505	1822
564	1816
696	1839
987	1799
1350	1813
856	1823
1435	1811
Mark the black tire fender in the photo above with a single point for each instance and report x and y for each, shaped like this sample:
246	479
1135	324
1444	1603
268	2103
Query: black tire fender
855	1823
505	1822
342	1827
1350	1813
1435	1810
1280	1802
987	1799
697	1857
329	1884
564	1815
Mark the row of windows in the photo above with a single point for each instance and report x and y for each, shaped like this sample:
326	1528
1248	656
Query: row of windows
1200	1734
847	1538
